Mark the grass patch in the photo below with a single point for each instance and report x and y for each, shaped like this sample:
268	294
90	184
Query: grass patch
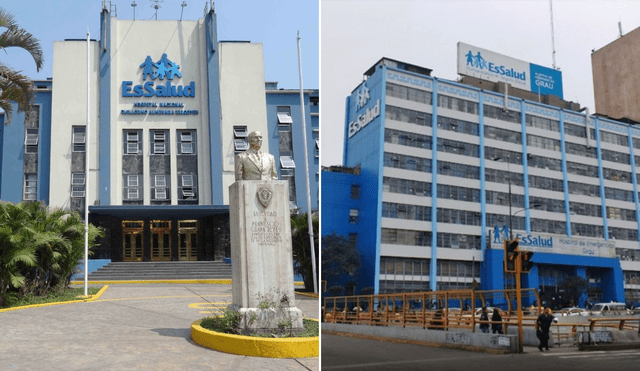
52	297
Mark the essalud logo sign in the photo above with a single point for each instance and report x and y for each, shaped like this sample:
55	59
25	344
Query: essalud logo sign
479	62
162	69
499	235
369	115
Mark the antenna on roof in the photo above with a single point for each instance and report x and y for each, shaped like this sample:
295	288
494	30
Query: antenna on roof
156	6
620	28
184	3
133	5
553	43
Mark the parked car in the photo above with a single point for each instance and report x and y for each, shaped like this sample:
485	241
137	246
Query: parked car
572	311
609	309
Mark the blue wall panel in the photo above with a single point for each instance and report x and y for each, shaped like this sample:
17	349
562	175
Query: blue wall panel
13	158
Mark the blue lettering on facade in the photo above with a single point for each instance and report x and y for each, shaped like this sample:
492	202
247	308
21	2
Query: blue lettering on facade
162	69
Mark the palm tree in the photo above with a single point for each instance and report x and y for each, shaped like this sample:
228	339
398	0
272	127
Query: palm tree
16	249
13	85
301	246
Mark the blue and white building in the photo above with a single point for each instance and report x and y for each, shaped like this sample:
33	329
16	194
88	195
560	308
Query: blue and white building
170	107
430	164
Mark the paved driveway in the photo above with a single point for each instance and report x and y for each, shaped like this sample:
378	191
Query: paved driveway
131	327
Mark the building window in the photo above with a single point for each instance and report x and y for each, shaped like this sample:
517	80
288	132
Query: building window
285	143
31	138
188	187
132	187
159	142
159	187
77	179
78	138
30	187
186	142
286	162
289	175
316	136
77	185
355	192
240	135
284	115
353	216
132	142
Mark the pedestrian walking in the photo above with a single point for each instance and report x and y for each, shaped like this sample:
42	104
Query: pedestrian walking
543	324
484	321
496	321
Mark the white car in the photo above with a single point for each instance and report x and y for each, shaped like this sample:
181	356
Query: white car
573	311
609	309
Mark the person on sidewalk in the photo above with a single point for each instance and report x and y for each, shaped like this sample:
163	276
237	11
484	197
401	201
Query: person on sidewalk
484	321
543	324
496	321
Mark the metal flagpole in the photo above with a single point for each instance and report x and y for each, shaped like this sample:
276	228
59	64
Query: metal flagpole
306	169
86	174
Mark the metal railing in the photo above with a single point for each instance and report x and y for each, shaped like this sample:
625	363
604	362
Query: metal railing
430	310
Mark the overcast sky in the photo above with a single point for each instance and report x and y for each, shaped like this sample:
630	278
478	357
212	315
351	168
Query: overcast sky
274	23
356	34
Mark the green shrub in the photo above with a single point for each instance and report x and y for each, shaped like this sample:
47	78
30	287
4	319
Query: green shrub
226	323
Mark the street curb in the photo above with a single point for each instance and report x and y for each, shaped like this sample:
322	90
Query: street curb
90	298
416	342
308	294
205	281
255	346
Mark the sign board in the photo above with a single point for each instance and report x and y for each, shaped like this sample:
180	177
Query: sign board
365	112
556	244
487	65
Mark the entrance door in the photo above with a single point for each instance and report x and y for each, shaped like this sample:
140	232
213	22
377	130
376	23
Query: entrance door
188	239
160	240
132	240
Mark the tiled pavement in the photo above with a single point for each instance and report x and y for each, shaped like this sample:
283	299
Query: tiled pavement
131	327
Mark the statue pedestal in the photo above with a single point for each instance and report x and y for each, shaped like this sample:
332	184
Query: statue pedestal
261	258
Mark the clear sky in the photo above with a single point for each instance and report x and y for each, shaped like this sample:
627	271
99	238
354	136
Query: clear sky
274	23
356	34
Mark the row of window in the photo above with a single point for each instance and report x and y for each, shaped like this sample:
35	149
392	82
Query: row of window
158	142
499	113
160	187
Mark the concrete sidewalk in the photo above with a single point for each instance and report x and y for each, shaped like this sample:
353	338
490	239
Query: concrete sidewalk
131	327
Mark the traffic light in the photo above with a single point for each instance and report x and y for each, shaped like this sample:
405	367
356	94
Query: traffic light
511	252
527	264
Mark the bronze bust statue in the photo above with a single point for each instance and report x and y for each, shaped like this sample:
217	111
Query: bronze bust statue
255	164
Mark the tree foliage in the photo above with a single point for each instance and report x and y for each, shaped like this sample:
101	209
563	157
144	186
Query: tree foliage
339	257
15	87
39	248
301	245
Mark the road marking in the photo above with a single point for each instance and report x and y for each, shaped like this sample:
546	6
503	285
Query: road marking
210	308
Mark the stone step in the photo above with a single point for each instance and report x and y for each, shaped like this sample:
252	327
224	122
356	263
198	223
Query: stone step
132	271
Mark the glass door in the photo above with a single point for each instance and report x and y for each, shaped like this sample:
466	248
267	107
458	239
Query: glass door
188	239
160	240
132	240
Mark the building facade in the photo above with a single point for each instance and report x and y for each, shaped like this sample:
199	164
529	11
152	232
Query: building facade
159	118
616	82
446	171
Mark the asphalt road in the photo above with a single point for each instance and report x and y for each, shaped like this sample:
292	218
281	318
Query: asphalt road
349	353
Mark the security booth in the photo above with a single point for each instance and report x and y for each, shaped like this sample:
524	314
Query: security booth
162	233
